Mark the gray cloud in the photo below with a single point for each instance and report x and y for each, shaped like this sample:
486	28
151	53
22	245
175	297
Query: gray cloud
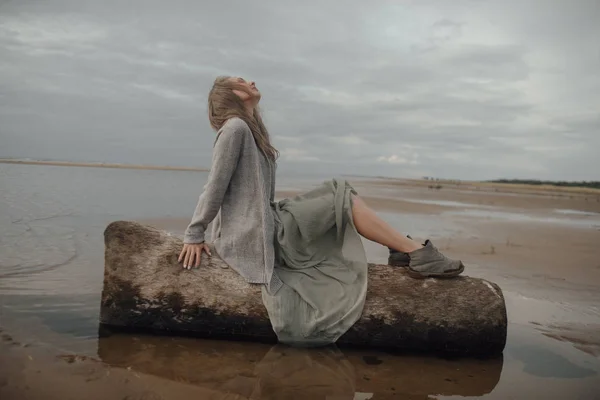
464	89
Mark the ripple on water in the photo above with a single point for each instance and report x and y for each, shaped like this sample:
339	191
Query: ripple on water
29	248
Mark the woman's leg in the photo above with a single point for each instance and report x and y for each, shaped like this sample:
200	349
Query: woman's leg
425	261
372	227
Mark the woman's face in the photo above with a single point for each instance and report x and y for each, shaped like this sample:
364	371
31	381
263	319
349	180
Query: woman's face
247	92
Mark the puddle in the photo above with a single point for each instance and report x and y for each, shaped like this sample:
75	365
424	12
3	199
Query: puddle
288	372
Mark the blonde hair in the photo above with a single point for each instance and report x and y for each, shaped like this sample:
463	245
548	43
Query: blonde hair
224	104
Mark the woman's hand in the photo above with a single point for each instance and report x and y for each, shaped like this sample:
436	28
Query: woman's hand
192	254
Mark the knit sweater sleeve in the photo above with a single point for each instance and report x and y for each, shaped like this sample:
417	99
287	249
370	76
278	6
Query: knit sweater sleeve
225	156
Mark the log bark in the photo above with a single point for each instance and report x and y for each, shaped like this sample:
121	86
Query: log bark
147	290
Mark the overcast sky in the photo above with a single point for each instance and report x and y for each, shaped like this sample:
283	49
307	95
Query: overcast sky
453	89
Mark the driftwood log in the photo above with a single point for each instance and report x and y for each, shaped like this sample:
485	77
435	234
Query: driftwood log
147	290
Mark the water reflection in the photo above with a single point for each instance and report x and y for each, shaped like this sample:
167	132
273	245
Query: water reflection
281	372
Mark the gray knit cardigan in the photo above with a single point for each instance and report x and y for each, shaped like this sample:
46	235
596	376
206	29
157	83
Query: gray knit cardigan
237	200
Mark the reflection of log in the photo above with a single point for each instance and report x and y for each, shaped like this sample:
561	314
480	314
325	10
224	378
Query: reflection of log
145	289
281	372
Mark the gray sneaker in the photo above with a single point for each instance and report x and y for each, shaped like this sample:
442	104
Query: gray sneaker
428	262
398	258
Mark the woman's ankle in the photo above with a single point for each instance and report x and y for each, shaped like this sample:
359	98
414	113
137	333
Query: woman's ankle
416	246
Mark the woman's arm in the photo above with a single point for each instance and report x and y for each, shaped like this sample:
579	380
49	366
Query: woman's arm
224	162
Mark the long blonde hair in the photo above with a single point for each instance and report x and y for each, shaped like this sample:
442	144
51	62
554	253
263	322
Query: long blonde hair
224	104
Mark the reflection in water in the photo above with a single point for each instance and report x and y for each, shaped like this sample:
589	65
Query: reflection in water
289	373
283	372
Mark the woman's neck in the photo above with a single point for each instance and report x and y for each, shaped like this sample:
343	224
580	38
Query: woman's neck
250	104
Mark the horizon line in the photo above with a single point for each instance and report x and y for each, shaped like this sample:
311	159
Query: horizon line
100	165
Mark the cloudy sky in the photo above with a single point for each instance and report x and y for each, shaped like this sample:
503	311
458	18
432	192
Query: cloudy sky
456	89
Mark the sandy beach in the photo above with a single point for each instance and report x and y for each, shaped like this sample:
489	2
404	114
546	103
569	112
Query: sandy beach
541	246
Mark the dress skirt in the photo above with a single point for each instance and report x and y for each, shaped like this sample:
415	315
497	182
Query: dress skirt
321	260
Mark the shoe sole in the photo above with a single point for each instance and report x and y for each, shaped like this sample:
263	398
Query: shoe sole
398	265
439	275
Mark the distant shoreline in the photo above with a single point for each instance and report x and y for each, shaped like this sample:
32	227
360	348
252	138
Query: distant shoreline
489	186
102	165
495	185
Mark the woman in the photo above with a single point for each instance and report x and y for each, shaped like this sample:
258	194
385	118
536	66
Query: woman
306	251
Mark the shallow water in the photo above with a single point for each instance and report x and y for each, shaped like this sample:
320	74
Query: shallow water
592	220
577	212
51	268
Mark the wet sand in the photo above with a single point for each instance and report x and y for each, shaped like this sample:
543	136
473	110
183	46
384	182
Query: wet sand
542	248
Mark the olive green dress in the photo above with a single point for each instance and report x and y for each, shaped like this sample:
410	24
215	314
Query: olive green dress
321	261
